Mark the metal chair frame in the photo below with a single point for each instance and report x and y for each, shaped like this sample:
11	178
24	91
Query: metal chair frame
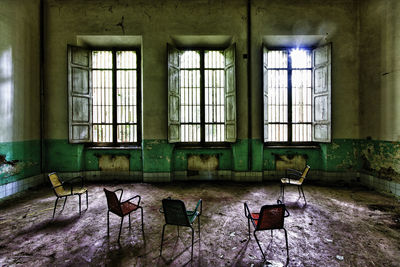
118	209
62	184
258	223
185	214
298	180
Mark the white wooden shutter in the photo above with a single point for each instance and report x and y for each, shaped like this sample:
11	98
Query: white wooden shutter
174	124
230	94
79	95
321	94
265	93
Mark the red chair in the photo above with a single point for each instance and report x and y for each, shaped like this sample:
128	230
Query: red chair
121	208
270	217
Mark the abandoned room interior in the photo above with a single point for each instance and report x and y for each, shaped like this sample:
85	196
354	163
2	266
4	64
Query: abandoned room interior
199	133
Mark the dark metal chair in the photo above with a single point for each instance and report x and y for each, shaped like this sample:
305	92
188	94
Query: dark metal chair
294	177
175	213
270	217
60	191
121	208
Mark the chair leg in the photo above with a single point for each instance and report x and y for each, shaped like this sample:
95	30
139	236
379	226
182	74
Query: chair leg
287	246
55	206
178	230
141	213
198	220
65	200
192	242
162	238
301	187
259	244
129	220
283	192
298	189
248	223
120	228
108	224
87	201
79	204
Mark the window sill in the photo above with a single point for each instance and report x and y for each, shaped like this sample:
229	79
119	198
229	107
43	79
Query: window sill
313	146
113	147
202	146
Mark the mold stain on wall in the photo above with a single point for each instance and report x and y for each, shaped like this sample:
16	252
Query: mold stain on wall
381	159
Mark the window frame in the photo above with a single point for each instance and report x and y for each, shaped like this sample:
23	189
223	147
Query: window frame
203	143
114	143
290	142
314	66
115	124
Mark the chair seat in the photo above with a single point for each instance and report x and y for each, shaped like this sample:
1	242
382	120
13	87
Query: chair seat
290	181
128	207
75	191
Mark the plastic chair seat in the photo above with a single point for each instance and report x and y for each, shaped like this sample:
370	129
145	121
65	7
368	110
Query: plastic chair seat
75	191
291	181
128	207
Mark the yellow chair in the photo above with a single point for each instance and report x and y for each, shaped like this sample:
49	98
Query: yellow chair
294	177
61	192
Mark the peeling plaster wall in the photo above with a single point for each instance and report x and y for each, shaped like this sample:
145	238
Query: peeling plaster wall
335	20
19	90
380	87
380	69
157	22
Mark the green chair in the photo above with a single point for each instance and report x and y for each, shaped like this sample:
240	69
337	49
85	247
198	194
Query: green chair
175	213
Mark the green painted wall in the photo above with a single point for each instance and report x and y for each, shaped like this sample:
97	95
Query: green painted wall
19	160
20	154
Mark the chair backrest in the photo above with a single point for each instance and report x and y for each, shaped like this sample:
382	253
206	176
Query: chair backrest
55	182
304	174
175	212
271	217
113	203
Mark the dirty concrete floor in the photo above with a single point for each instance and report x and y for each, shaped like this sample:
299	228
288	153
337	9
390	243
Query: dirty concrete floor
338	227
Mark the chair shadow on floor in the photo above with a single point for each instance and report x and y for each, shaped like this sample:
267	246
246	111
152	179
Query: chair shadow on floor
162	261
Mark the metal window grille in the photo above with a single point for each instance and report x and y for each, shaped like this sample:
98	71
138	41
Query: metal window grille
289	95
115	91
202	93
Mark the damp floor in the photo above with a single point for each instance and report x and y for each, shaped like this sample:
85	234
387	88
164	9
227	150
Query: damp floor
338	227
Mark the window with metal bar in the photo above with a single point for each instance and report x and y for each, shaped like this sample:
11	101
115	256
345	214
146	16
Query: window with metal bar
115	102
289	89
202	96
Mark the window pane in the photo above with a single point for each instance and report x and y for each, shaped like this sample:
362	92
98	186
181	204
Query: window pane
126	133
126	60
301	132
190	59
214	96
190	96
301	95
278	132
301	58
102	59
277	59
277	96
214	59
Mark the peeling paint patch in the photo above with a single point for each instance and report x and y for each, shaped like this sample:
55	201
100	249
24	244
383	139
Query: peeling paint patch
203	162
114	162
284	162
